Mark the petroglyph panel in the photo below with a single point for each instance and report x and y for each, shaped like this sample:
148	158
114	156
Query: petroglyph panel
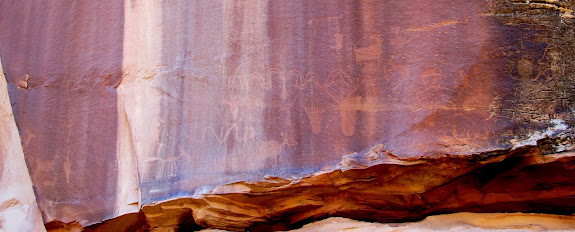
181	95
290	91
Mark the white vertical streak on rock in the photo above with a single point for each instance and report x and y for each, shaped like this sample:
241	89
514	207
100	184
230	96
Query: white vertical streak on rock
138	105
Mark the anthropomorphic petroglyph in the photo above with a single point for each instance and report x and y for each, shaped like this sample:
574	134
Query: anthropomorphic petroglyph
244	80
348	112
275	73
314	114
240	134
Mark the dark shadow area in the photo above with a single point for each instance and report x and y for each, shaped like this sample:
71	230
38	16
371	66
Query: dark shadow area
133	222
187	223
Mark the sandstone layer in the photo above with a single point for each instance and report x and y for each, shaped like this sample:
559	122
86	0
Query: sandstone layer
471	222
124	104
378	186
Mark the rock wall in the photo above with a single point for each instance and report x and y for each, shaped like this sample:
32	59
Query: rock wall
124	104
68	57
18	208
287	88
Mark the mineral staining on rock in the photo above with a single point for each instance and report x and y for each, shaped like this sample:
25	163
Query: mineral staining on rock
141	102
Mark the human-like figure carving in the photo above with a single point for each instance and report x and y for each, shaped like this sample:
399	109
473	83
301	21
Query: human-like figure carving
348	112
314	114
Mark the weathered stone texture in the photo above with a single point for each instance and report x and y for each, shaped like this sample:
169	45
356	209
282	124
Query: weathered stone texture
18	208
70	55
454	222
125	104
378	186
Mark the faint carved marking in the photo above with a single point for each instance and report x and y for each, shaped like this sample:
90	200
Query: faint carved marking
168	166
538	94
348	113
44	173
433	26
338	41
369	53
183	152
244	80
528	67
67	168
275	148
339	79
310	78
234	107
372	105
245	134
525	67
430	97
29	136
314	115
528	63
283	78
333	29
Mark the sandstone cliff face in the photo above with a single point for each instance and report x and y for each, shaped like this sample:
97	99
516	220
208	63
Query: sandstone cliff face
125	104
70	57
18	208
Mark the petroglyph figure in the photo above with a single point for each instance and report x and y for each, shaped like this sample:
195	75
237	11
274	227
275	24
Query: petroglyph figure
528	64
314	114
167	167
528	69
369	53
274	148
338	41
432	95
234	107
313	25
247	80
334	29
525	67
274	72
339	85
348	112
240	134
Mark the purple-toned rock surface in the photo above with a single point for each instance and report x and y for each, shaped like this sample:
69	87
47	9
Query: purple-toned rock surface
18	208
123	104
70	54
